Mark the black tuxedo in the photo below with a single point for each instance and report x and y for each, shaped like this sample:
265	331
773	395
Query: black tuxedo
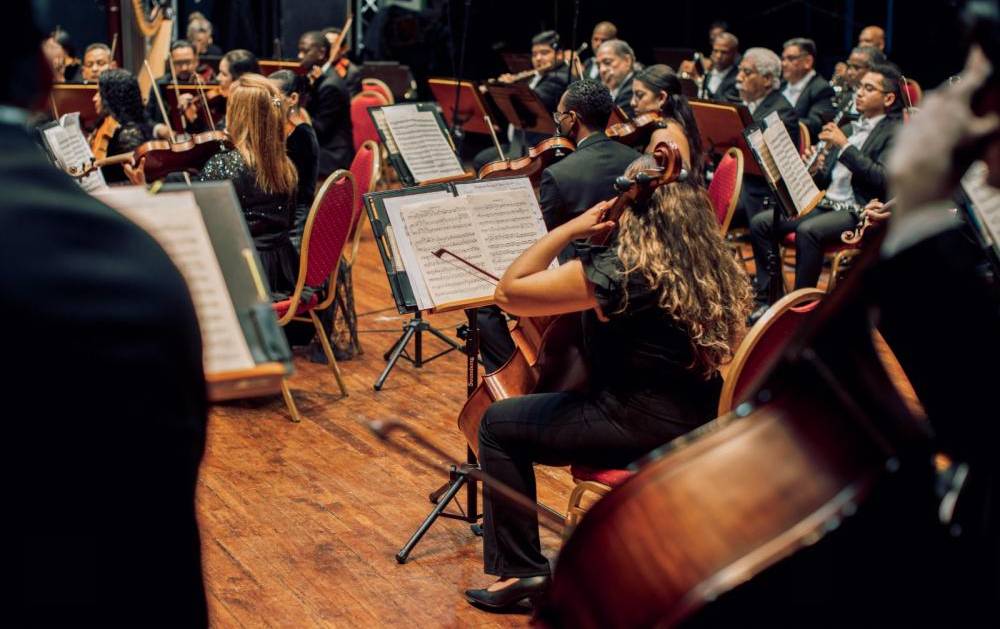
815	104
623	98
329	104
823	226
106	408
727	91
590	70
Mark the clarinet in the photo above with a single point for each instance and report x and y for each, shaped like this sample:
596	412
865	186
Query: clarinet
821	145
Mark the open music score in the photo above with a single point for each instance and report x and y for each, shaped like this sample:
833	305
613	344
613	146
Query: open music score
782	167
65	141
488	223
243	355
418	144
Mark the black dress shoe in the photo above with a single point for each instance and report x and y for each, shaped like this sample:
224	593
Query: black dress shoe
757	313
525	587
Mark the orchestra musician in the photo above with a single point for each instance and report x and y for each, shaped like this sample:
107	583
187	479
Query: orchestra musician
663	306
300	143
853	176
657	88
616	61
329	105
118	96
199	33
720	82
120	546
858	63
873	36
809	93
567	188
602	32
264	177
96	59
549	82
61	53
232	66
184	62
340	62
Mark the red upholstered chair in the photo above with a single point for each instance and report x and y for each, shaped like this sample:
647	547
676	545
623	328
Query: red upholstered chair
913	94
763	344
378	85
323	242
594	480
724	190
361	123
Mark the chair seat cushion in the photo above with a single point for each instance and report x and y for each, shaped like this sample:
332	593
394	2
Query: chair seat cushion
611	478
281	307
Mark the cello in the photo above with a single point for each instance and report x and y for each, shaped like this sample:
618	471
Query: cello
549	353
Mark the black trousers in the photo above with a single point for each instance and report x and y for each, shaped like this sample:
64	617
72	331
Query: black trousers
495	343
552	429
815	231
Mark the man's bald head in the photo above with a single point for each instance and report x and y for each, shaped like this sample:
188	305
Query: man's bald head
602	33
872	36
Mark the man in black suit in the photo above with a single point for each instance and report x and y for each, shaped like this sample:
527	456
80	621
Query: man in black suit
853	174
720	82
329	105
602	32
184	62
807	91
105	400
759	77
569	187
616	62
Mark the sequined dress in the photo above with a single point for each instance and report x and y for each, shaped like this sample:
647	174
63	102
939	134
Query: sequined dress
269	217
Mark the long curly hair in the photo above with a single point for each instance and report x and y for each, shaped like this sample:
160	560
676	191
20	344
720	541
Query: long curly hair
256	123
120	95
675	243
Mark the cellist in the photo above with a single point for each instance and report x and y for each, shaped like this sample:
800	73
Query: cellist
663	306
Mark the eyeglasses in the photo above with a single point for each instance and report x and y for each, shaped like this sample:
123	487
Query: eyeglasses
868	87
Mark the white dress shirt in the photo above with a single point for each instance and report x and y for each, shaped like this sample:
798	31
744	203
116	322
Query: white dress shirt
792	91
715	79
840	179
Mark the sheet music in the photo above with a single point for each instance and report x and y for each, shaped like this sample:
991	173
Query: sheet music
422	143
756	140
68	145
402	242
464	188
174	220
800	184
985	200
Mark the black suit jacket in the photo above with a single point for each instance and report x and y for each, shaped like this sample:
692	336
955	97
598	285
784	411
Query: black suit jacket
867	166
329	105
775	101
727	91
623	98
815	104
106	408
549	89
581	179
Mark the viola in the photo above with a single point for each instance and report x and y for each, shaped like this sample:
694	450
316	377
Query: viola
101	137
636	130
539	157
187	154
549	354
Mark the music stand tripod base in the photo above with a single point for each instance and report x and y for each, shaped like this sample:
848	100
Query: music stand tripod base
414	329
441	498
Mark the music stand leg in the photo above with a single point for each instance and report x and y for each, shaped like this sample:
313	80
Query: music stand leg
774	271
414	329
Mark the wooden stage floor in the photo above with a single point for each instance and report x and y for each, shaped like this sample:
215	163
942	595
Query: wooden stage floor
300	523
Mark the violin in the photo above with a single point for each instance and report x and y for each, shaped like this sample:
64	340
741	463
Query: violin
101	137
539	157
636	130
187	154
549	354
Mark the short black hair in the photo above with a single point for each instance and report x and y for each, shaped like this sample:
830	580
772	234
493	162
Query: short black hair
317	37
591	100
807	46
874	54
240	62
892	82
97	46
546	38
182	43
289	82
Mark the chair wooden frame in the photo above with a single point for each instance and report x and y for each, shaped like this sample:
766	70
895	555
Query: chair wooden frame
735	199
752	339
805	140
380	85
294	303
574	509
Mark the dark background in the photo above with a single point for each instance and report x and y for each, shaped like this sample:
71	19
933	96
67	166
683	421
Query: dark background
923	37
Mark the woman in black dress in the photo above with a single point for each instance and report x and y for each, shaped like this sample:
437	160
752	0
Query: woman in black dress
300	142
264	178
118	96
663	305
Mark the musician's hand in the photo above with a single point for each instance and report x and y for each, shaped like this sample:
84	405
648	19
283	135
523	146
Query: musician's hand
315	73
136	175
686	66
589	224
808	156
506	77
186	104
832	134
161	131
873	211
936	147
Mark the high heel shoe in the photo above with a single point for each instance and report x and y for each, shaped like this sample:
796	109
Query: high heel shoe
525	587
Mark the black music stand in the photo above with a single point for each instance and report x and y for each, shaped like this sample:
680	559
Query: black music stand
523	108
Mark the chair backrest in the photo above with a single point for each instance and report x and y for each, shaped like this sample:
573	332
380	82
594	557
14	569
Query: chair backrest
805	141
363	128
325	233
913	93
724	190
366	169
380	86
763	344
